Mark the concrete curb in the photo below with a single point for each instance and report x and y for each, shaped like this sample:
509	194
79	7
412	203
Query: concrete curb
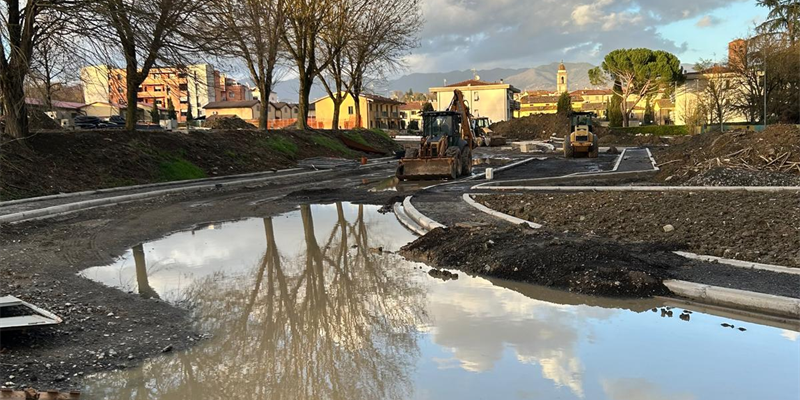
652	159
569	178
514	220
757	189
162	184
503	168
752	301
421	220
406	221
619	160
62	209
138	187
740	263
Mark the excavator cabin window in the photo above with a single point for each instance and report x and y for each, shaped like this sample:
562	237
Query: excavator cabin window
440	125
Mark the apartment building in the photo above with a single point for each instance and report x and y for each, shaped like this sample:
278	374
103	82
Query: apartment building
189	89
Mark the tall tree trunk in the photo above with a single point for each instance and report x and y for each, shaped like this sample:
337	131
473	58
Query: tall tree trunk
356	94
263	117
337	107
306	80
625	117
14	107
132	81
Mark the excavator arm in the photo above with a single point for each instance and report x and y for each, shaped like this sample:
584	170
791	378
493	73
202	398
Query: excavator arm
459	105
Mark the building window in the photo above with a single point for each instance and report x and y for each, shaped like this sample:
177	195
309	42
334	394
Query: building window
183	86
231	95
350	110
157	88
476	96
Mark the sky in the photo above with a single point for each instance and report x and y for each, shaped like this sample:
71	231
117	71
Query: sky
484	34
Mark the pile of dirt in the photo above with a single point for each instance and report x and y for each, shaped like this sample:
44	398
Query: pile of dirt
758	227
741	177
533	127
226	122
776	149
53	162
567	261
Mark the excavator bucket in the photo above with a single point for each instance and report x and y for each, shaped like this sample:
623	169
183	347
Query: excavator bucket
427	168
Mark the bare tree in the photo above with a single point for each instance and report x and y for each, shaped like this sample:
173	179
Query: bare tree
306	22
24	24
384	34
718	91
55	61
146	32
251	31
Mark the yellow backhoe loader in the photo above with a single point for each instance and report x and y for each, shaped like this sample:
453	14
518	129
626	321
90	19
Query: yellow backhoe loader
485	136
445	149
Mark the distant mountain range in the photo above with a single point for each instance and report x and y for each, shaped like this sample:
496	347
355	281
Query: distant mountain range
541	77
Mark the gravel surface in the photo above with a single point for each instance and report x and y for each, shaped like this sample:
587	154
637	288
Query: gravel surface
759	227
740	177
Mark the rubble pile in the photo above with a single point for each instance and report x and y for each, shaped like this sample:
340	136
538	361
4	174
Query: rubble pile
775	150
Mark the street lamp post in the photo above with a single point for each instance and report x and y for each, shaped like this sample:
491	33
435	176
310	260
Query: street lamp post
763	75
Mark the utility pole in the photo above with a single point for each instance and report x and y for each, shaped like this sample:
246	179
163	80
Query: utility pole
763	75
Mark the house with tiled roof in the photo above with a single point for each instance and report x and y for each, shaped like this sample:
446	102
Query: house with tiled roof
494	100
375	112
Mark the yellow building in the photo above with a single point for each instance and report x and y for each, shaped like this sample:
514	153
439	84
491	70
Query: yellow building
247	110
376	112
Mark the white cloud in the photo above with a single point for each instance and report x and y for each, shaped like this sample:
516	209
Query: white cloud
463	34
707	21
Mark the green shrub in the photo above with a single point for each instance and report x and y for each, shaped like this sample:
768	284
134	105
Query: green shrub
658	130
281	145
178	168
331	144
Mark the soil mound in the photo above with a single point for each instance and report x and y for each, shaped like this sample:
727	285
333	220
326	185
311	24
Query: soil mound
533	127
579	264
757	227
741	177
627	139
227	122
776	149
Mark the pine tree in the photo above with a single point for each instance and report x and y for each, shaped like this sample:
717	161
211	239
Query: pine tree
155	117
171	110
564	106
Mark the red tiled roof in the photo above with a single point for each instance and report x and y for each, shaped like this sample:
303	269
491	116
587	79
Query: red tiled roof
375	97
592	92
412	105
56	103
539	99
473	82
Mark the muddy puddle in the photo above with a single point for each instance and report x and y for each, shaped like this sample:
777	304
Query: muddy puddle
313	304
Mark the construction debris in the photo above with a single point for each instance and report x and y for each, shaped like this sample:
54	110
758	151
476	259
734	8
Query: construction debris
227	122
775	150
18	314
318	163
533	127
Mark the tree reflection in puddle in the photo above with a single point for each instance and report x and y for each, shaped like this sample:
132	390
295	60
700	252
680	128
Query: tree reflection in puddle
305	305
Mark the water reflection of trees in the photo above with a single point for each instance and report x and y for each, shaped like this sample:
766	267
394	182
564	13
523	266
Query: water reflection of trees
336	322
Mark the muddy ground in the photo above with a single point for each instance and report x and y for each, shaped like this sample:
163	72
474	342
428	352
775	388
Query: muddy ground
594	266
758	227
53	162
105	328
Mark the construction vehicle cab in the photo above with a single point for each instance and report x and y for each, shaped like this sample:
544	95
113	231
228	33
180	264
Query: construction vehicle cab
484	136
445	148
581	140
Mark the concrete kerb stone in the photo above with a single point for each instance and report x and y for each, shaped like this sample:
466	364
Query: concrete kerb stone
759	189
770	304
740	263
421	220
88	204
138	187
514	220
619	160
406	221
